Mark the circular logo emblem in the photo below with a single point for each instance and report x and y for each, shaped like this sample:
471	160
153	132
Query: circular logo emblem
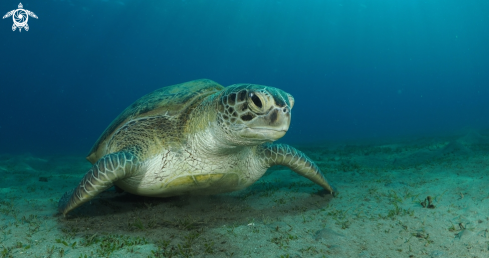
20	18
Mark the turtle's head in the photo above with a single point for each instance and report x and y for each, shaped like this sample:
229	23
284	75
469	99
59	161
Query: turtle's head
253	114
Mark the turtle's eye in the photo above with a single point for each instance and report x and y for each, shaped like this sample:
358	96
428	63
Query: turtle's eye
256	102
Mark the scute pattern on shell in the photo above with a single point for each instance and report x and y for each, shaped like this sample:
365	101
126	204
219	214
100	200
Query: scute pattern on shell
143	136
168	101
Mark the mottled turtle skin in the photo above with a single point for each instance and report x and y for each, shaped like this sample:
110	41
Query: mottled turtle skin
193	138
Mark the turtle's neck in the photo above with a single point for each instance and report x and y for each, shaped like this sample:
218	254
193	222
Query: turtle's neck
203	132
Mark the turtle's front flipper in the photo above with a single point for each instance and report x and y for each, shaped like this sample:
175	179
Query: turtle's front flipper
285	155
100	177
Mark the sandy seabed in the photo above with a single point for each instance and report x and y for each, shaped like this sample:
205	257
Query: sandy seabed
418	197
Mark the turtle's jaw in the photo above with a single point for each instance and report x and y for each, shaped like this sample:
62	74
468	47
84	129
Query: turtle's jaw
263	133
268	127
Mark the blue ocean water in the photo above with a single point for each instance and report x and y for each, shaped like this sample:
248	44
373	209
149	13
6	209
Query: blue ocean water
358	69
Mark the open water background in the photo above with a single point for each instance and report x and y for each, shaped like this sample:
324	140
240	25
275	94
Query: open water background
357	69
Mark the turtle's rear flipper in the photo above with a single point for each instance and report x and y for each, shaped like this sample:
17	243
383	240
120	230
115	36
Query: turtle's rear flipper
101	176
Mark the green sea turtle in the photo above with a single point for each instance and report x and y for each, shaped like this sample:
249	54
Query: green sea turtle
196	137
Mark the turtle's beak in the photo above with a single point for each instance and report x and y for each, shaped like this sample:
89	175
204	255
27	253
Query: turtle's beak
271	126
